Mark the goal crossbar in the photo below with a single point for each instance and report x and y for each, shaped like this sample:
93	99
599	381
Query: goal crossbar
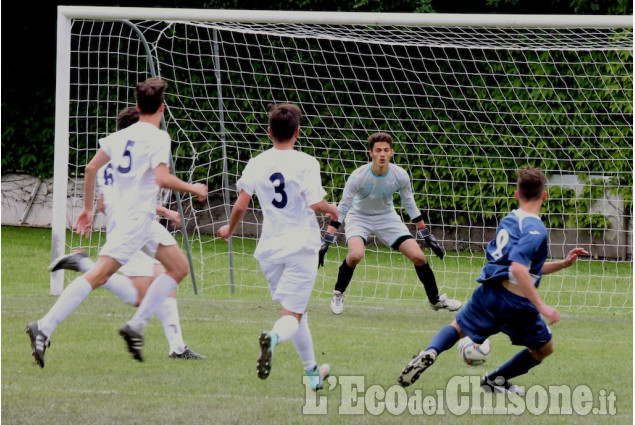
346	18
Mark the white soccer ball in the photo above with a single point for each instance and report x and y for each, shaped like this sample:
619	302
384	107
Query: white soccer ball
472	353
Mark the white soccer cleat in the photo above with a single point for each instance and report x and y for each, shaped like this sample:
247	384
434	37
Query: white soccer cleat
337	302
446	303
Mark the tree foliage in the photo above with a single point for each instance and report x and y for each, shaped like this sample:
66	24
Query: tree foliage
28	105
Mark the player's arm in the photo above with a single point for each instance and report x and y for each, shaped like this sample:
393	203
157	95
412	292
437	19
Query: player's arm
528	289
85	219
167	180
572	256
173	216
238	212
326	208
101	206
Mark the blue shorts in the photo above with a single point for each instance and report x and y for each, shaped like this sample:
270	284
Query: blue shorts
494	309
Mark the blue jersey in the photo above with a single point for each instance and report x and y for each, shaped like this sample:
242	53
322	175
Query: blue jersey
521	237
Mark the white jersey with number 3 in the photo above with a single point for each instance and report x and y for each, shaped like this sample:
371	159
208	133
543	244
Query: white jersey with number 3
287	183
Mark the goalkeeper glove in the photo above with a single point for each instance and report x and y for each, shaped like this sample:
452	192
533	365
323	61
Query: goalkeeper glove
327	240
424	233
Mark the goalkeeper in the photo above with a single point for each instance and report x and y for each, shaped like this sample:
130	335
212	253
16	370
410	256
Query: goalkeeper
368	209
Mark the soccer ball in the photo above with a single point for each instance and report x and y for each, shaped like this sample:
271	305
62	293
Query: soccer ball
472	353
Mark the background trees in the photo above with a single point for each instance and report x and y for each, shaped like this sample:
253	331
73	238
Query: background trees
28	74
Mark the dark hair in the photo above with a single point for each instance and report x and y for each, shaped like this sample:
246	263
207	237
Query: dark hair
284	120
531	183
150	95
127	117
379	137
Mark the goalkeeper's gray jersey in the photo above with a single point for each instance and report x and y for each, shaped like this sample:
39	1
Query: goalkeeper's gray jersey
368	194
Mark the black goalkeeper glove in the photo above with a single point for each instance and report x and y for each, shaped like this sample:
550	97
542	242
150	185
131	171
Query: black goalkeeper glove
327	240
431	241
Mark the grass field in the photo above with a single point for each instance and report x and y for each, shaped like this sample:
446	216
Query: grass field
90	378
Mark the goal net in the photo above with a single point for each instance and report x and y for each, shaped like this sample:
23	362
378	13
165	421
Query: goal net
467	99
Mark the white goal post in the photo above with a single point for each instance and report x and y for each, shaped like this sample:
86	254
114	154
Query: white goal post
467	98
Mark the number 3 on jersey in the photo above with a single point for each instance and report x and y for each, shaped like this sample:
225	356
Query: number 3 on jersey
279	189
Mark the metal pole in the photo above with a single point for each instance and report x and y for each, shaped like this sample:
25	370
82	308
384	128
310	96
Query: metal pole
221	113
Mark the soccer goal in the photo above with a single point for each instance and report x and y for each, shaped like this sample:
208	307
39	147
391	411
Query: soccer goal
468	99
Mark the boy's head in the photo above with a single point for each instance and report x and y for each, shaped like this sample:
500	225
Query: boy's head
379	137
284	121
150	95
530	184
127	117
380	149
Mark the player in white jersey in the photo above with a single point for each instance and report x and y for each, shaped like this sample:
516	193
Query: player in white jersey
288	186
367	208
133	279
140	155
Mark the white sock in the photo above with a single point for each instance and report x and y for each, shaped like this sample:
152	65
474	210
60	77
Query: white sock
285	327
159	290
168	314
303	342
71	297
122	287
85	264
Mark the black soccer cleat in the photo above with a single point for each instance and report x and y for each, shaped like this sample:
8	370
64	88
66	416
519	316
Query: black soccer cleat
415	368
187	354
134	341
267	341
68	262
500	385
39	343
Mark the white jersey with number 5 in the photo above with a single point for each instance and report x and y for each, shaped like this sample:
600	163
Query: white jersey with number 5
287	183
134	153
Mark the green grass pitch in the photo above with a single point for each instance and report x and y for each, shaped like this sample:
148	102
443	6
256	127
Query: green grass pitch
90	378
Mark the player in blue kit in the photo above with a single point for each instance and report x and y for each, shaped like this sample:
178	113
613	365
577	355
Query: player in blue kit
507	298
367	208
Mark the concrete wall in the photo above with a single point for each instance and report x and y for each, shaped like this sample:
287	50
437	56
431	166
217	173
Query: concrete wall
20	208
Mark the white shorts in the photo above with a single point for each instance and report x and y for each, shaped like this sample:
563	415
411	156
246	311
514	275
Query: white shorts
125	239
141	264
387	228
291	283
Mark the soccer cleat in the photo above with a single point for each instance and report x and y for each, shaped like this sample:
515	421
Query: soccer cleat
415	368
69	261
337	302
39	343
134	341
447	303
268	341
318	375
187	354
500	385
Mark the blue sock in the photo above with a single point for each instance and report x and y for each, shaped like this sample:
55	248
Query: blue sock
444	339
516	366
